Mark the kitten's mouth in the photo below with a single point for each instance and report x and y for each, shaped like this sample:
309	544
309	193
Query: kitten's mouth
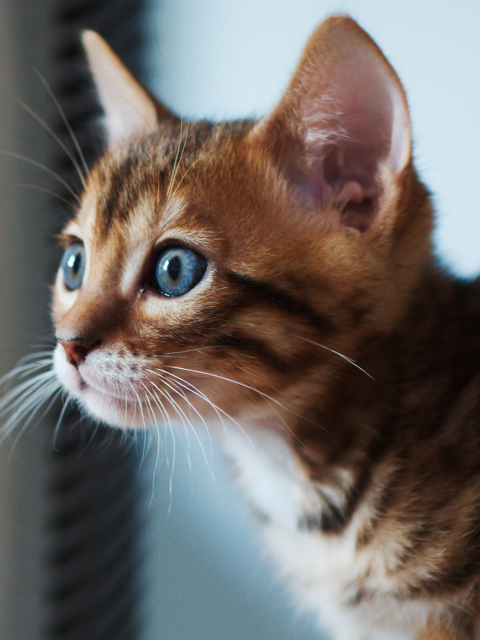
124	406
107	396
87	386
123	398
116	410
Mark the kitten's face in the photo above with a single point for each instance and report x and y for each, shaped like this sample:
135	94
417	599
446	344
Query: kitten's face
225	267
238	251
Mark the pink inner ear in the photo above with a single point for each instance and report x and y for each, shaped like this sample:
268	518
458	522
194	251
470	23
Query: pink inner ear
348	138
341	175
345	117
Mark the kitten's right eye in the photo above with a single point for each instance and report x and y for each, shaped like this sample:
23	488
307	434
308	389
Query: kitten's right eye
73	265
178	270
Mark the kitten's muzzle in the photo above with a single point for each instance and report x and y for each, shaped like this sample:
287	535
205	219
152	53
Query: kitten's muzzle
76	349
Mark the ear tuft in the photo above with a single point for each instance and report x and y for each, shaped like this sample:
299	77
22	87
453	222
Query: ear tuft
342	121
129	109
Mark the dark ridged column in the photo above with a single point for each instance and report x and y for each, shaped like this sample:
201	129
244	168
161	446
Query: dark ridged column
94	490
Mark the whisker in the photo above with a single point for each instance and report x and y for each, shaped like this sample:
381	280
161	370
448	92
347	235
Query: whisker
193	389
33	395
140	406
167	421
19	393
57	138
184	176
157	431
175	405
171	354
178	160
191	425
32	415
50	192
125	413
172	469
15	396
22	370
56	430
29	402
167	195
159	405
186	399
183	416
39	165
269	400
247	386
37	354
337	353
65	120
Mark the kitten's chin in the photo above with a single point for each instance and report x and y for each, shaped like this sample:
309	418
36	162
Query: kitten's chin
115	411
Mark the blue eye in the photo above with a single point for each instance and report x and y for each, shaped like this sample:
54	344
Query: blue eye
178	270
73	265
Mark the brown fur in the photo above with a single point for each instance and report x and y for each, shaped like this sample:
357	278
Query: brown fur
290	288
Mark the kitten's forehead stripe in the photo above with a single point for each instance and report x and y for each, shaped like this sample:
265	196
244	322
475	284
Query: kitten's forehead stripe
122	194
161	163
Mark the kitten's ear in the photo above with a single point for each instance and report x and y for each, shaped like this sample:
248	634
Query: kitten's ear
129	108
341	123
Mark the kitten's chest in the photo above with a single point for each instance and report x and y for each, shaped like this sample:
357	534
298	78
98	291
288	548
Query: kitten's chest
326	569
291	505
276	482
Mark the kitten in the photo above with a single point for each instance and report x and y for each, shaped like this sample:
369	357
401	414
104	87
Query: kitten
275	279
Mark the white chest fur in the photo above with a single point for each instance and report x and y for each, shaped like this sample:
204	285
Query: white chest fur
274	479
325	570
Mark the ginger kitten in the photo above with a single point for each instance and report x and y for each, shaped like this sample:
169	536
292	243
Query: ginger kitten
274	279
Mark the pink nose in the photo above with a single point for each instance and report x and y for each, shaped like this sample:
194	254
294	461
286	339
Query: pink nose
76	350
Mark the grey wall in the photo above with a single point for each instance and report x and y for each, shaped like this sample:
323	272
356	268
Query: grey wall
25	227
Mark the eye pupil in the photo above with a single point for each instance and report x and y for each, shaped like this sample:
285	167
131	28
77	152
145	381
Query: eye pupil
177	271
174	266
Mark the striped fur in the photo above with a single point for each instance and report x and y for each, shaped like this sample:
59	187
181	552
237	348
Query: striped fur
337	360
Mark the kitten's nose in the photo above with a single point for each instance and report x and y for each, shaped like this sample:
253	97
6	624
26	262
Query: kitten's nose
76	349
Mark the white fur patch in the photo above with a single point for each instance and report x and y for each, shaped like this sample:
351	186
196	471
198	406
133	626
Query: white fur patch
273	478
325	569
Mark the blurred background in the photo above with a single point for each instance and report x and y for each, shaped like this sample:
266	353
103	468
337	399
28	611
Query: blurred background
99	539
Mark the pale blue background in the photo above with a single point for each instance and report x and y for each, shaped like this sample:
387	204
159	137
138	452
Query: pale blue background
232	59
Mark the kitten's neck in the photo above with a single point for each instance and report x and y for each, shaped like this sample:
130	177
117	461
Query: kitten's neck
424	361
321	465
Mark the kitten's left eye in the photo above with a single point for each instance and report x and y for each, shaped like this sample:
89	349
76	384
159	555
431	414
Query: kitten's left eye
73	265
178	270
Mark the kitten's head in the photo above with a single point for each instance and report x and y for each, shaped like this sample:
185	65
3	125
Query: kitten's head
222	269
